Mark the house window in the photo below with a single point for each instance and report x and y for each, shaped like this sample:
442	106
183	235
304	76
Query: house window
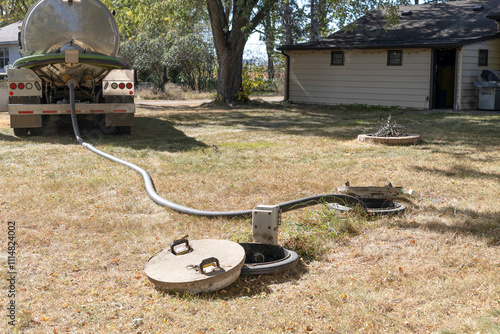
337	58
483	58
4	57
394	58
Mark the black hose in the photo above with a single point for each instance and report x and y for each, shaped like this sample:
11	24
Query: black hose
151	191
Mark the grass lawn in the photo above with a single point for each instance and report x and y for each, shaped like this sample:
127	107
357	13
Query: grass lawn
85	226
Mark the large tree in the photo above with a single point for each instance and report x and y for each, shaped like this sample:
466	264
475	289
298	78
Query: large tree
232	23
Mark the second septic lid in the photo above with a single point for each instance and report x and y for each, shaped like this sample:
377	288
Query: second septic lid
196	266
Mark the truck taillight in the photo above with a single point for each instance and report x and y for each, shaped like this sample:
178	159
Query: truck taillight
129	86
20	86
13	86
122	85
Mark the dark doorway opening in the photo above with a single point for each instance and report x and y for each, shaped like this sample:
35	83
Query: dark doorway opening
443	81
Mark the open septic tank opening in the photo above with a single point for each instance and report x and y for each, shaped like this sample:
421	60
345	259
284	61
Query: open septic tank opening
267	259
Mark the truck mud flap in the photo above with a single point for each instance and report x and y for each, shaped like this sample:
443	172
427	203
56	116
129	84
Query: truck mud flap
25	121
124	119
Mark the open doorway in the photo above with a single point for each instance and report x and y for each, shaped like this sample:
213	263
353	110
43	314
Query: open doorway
443	78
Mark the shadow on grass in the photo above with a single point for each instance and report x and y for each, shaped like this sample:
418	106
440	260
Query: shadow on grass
4	137
481	225
341	122
322	121
248	286
458	171
157	127
148	133
444	129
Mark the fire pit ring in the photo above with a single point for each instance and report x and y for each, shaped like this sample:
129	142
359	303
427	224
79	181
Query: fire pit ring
402	140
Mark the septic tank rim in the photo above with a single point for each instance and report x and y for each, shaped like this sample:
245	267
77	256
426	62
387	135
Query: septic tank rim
398	208
289	261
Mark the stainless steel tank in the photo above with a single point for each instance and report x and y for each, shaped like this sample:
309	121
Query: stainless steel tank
53	26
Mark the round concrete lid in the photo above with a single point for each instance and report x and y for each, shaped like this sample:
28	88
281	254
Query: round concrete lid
196	266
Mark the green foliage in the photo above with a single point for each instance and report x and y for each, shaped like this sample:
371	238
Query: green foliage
255	80
183	58
309	236
155	17
13	10
145	55
344	12
192	57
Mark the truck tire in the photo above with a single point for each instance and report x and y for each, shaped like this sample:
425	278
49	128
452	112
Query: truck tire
36	131
106	130
21	132
124	130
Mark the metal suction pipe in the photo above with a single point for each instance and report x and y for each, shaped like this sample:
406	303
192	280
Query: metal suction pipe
151	191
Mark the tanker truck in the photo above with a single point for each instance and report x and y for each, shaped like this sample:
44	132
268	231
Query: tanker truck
66	41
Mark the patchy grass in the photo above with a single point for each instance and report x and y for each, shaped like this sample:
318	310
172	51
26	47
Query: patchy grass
171	91
85	226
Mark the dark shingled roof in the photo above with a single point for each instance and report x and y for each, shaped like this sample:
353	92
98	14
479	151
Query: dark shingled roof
444	25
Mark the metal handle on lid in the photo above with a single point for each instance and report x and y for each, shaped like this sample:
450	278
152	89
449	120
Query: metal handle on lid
178	242
211	261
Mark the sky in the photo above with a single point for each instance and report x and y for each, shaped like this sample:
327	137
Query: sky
256	49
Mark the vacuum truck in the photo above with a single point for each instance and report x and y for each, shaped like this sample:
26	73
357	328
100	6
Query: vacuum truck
63	41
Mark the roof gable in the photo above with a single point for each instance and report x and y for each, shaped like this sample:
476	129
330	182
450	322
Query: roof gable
451	24
8	34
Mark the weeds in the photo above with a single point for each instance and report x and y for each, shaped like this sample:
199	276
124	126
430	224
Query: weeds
309	237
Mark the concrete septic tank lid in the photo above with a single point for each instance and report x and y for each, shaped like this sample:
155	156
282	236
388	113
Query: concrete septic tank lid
403	140
200	266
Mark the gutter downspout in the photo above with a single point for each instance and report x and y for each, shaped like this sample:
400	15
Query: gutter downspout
287	75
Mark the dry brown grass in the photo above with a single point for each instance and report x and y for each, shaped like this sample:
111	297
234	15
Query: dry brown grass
172	91
86	227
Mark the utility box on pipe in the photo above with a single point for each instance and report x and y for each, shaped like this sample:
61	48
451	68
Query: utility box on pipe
265	222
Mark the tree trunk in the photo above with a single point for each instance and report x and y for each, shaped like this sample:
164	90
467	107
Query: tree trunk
314	21
288	23
230	60
230	40
269	32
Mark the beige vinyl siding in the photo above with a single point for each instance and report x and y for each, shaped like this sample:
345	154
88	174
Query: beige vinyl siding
364	78
469	71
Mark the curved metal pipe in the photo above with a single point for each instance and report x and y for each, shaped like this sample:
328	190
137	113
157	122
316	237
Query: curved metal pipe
151	191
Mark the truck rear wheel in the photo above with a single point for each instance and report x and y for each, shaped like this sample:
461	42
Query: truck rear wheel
36	131
21	132
124	130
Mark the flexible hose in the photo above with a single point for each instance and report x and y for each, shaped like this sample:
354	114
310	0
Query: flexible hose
151	191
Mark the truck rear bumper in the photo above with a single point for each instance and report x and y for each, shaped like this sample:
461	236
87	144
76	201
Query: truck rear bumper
65	109
30	115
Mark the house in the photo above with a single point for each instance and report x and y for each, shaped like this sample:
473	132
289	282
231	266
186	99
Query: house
9	53
9	45
429	60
